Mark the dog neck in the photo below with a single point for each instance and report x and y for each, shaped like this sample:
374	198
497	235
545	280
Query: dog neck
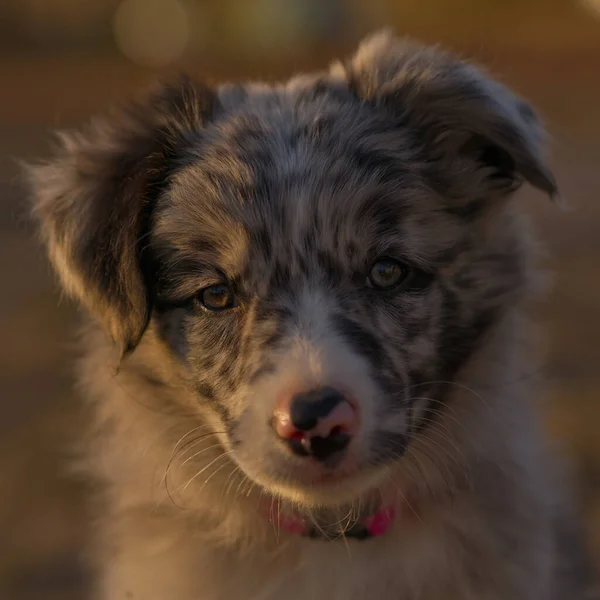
320	527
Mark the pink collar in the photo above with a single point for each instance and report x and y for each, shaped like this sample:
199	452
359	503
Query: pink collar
372	526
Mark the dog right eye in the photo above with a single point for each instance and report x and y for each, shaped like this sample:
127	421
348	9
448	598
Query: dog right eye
387	274
217	297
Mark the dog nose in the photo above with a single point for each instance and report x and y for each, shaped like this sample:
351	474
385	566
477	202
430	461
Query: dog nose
319	423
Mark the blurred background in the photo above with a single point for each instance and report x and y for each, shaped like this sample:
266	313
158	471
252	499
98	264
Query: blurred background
62	60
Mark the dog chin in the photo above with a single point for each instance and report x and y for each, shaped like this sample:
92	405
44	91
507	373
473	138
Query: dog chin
328	490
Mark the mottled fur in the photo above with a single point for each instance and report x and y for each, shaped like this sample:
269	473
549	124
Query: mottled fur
290	192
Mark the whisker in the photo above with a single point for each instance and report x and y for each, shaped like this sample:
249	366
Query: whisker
422	476
455	459
230	480
445	435
347	545
176	446
449	410
454	383
436	425
211	476
344	518
156	438
405	499
223	454
174	455
171	498
444	474
237	491
319	528
250	488
274	524
187	460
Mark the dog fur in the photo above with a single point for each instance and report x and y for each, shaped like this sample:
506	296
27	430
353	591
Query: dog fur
288	193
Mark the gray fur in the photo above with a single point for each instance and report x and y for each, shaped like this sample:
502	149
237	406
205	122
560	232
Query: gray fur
289	193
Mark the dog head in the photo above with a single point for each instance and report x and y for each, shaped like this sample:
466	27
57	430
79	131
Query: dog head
316	254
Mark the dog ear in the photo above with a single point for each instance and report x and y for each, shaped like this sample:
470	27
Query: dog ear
453	109
94	203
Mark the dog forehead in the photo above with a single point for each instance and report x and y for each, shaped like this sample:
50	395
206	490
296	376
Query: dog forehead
287	173
280	133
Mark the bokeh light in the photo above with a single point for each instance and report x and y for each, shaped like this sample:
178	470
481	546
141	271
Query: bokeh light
592	6
265	26
151	33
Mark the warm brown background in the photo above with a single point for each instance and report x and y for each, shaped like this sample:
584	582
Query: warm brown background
61	60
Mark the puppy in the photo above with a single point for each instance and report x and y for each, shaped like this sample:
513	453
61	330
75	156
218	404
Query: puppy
308	354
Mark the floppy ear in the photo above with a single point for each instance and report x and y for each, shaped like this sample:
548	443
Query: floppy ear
454	111
94	203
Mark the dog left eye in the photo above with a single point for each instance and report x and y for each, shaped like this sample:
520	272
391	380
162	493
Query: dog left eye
387	273
217	297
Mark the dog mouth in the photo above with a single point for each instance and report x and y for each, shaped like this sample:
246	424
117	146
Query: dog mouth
308	483
353	500
319	485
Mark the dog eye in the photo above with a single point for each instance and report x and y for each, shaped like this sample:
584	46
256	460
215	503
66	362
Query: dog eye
217	297
387	273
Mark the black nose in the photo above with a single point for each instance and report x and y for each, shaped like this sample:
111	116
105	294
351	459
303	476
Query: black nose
323	434
308	407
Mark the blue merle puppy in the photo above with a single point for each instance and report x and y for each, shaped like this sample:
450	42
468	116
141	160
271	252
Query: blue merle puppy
308	355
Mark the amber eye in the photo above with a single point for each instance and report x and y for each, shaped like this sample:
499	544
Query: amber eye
387	273
217	297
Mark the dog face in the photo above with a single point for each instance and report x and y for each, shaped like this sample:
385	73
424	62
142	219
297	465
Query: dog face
318	255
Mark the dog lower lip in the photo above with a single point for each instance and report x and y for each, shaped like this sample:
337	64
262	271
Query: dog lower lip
330	478
328	474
